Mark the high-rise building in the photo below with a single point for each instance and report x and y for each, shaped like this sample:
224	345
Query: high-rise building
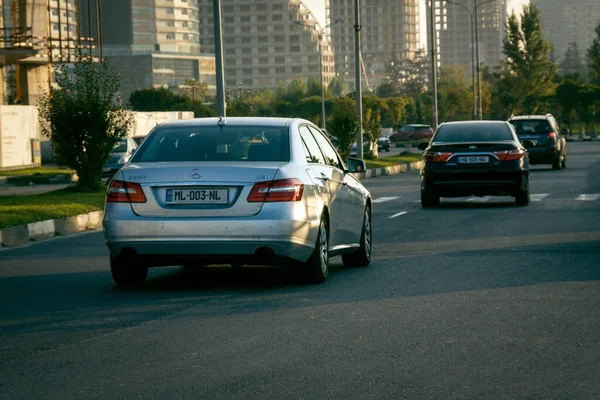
390	31
569	21
155	43
267	43
456	34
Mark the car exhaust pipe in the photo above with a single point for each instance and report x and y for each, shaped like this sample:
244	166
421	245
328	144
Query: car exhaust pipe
264	252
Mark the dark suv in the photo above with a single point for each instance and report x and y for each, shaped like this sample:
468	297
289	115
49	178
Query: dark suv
550	145
475	158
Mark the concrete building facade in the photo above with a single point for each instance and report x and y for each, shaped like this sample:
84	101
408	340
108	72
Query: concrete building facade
390	31
456	36
265	44
155	43
567	22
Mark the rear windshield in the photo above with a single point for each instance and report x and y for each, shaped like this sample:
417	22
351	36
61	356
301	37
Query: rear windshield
120	147
473	132
532	126
211	143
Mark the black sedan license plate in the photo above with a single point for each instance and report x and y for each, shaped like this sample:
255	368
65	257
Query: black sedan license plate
474	159
197	196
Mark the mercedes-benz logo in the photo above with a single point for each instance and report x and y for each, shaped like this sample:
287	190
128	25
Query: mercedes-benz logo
196	173
472	147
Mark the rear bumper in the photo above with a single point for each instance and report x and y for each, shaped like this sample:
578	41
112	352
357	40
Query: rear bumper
544	155
227	240
475	183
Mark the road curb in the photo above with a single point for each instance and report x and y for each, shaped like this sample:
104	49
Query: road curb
22	234
391	170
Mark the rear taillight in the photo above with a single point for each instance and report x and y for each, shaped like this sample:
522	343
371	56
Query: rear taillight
125	192
278	190
510	155
552	135
435	156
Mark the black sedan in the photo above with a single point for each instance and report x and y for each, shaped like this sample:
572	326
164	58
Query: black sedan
475	158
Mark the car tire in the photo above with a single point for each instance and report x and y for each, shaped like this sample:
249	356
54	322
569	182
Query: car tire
429	198
316	269
361	257
127	272
522	197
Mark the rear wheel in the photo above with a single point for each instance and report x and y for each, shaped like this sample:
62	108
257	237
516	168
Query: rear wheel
429	198
522	197
316	269
557	163
127	272
361	257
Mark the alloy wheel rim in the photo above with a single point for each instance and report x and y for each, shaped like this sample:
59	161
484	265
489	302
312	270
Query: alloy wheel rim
368	234
323	249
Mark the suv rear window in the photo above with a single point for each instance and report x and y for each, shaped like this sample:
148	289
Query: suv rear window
211	143
473	132
527	126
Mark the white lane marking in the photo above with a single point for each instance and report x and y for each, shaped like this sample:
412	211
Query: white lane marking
416	201
588	197
399	214
383	199
539	196
479	199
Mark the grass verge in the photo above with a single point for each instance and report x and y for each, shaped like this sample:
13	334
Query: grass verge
37	171
20	210
402	158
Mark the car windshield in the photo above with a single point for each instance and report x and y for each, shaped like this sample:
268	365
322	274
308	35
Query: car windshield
531	126
212	143
480	132
120	147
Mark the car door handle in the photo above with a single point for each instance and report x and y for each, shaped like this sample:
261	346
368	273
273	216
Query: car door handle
324	178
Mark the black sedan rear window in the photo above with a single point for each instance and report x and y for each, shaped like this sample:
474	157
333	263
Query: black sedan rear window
532	126
208	143
480	132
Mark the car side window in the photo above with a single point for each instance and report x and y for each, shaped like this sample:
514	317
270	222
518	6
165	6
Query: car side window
316	157
331	157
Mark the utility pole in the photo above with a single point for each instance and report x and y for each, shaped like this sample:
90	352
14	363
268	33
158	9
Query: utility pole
358	83
434	66
479	105
221	107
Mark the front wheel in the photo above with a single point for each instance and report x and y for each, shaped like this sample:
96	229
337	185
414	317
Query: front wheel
316	269
361	257
127	272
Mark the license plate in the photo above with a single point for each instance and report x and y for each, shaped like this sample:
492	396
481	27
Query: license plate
197	196
474	159
105	169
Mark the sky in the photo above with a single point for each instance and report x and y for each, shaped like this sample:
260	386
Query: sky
318	8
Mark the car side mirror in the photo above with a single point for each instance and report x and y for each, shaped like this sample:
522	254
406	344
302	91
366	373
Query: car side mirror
423	145
356	165
528	144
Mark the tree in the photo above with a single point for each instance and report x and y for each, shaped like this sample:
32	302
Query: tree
572	65
593	58
162	99
337	86
455	96
82	118
567	95
371	130
529	73
313	87
343	124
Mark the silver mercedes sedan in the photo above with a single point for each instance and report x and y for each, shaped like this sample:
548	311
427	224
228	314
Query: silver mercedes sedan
237	191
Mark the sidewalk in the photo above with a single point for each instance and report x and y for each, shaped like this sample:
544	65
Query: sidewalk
10	190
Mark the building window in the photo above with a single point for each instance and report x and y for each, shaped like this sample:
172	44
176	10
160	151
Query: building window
169	10
184	11
170	36
170	23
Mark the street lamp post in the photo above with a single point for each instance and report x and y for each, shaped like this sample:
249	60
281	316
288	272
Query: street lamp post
320	33
477	103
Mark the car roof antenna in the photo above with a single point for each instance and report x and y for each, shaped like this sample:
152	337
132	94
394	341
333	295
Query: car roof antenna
221	122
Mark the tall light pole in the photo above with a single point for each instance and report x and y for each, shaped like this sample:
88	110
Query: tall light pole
320	33
358	83
477	102
221	110
434	66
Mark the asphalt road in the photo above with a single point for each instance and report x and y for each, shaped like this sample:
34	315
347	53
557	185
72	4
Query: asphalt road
477	299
